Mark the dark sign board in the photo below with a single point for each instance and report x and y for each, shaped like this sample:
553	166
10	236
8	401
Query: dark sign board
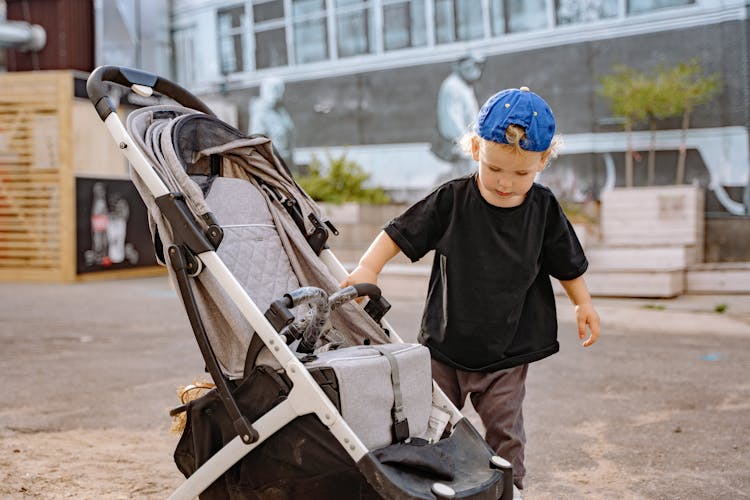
111	226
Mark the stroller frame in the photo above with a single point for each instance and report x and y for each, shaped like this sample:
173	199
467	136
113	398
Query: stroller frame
194	252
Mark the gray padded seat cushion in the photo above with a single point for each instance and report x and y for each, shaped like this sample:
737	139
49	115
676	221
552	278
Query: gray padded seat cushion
251	247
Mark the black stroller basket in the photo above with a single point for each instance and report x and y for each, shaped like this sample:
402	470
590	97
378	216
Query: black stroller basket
247	250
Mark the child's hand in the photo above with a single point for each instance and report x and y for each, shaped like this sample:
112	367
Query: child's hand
360	275
587	315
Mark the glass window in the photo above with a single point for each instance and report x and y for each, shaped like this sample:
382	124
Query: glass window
301	7
310	40
457	20
184	55
354	28
526	15
267	11
230	23
497	17
584	11
310	31
637	6
270	48
404	24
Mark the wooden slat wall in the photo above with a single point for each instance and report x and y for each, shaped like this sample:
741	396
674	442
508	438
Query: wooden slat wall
37	214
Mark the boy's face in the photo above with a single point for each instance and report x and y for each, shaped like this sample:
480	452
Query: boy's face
505	176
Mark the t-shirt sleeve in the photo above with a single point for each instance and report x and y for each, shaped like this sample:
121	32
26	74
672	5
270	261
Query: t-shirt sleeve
562	256
420	227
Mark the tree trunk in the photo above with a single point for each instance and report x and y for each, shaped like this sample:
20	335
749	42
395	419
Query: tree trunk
629	154
652	152
680	176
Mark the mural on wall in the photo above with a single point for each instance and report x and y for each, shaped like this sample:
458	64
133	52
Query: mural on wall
718	160
268	116
457	108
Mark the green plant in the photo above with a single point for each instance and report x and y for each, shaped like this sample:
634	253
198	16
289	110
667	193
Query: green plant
637	96
684	88
628	91
577	213
339	181
655	307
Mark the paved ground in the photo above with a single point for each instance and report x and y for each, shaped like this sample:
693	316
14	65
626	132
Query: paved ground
659	408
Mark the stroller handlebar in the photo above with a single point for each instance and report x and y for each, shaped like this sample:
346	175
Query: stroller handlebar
128	77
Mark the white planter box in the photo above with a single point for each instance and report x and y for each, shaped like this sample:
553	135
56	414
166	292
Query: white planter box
640	258
658	215
345	213
651	284
725	277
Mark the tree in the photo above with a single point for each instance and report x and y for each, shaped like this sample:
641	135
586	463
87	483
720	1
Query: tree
685	88
638	96
658	107
628	91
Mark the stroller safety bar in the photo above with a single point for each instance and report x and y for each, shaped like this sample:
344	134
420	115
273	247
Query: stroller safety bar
308	328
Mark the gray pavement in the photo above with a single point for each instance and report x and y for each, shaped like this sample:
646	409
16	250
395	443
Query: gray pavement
657	409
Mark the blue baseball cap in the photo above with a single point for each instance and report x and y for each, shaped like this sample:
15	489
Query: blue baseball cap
517	107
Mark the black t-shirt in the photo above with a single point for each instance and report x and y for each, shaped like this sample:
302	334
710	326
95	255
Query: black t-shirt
490	304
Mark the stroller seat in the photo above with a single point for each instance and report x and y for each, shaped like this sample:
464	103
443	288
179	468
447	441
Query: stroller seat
297	364
251	247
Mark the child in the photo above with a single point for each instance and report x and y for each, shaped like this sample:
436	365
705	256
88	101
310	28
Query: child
497	237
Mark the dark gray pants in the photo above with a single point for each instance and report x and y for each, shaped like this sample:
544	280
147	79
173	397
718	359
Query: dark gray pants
498	397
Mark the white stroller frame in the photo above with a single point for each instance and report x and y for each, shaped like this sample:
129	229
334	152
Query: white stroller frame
306	395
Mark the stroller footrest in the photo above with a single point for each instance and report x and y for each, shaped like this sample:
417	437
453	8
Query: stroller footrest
474	477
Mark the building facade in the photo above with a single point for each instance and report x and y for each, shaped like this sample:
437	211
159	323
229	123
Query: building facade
363	77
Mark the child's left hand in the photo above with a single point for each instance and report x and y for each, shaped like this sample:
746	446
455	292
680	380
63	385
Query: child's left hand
587	315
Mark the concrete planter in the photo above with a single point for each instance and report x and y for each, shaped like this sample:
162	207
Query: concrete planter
649	237
357	213
358	225
657	215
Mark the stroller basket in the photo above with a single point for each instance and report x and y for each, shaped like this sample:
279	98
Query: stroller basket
316	396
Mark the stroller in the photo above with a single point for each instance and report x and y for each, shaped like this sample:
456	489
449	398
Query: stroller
316	395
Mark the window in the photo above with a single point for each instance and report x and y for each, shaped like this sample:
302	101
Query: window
497	17
355	33
231	53
302	7
270	33
526	15
310	31
260	34
638	6
458	20
403	24
270	48
184	55
583	11
268	10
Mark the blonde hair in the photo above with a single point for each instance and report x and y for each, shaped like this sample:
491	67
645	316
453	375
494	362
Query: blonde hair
514	134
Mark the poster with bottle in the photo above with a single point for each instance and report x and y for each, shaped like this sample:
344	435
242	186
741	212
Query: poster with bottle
111	226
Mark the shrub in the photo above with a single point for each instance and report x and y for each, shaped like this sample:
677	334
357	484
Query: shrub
339	181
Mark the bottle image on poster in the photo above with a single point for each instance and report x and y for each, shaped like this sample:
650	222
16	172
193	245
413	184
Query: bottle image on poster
109	222
99	223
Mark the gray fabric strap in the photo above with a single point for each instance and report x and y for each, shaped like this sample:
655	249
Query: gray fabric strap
400	422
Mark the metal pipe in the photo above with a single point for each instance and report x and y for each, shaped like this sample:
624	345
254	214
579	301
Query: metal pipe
22	36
